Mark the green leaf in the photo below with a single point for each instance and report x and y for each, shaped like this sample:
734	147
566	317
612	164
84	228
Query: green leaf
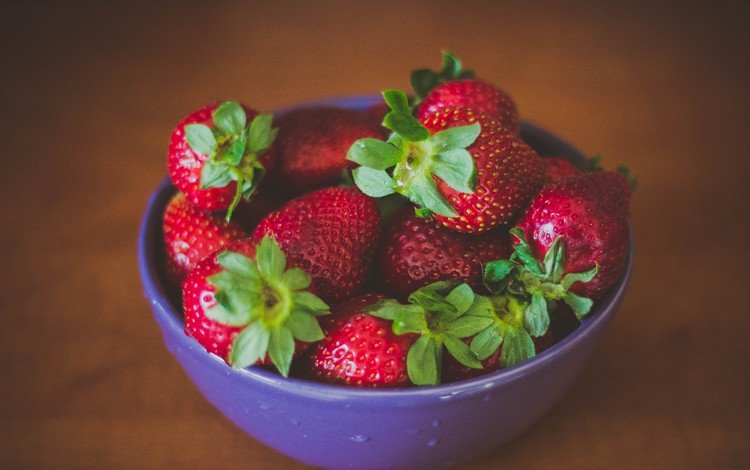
406	125
522	251
431	300
553	258
461	351
271	260
497	274
238	264
425	189
397	100
456	138
517	346
422	361
235	152
581	305
215	175
230	118
451	66
486	342
374	153
296	279
221	314
461	297
410	321
585	276
536	317
457	169
249	346
481	307
304	326
310	303
388	309
260	134
281	349
200	138
423	81
374	183
467	325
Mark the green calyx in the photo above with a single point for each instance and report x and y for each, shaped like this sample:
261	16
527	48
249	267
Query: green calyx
270	302
507	330
424	80
441	314
540	284
233	148
406	163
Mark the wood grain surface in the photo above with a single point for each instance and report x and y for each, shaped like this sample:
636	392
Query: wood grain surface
89	93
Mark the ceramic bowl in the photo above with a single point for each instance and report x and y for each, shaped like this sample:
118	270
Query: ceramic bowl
343	427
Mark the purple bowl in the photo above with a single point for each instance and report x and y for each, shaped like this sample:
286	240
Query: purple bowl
341	427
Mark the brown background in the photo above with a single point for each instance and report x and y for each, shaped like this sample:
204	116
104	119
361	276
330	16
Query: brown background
89	94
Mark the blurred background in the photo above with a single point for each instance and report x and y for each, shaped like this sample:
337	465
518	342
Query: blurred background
89	94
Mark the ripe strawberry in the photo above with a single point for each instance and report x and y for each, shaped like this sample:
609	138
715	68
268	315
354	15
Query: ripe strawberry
375	115
466	169
418	251
453	87
191	234
557	169
360	349
217	155
312	145
589	215
440	315
331	233
247	306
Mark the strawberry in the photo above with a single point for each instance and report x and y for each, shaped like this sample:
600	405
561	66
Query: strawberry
418	251
437	318
466	169
557	169
312	145
191	234
360	349
218	155
247	306
331	233
375	115
453	88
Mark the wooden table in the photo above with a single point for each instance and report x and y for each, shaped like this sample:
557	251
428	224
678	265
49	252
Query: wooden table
89	93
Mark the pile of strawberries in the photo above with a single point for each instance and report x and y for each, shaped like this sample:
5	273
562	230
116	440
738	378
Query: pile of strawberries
417	243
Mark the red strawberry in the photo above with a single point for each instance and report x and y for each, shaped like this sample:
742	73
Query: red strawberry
375	114
191	234
467	169
217	155
245	305
418	251
588	214
453	87
557	169
360	349
331	233
480	96
312	145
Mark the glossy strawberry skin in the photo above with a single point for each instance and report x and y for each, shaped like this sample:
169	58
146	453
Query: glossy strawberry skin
198	295
185	165
417	251
359	349
332	234
509	173
590	212
454	371
191	234
312	144
557	169
480	96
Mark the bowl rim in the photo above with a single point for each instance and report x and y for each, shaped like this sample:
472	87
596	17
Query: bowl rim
167	314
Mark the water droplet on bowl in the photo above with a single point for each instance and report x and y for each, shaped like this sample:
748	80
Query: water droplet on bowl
436	422
265	406
487	397
433	442
360	438
414	431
